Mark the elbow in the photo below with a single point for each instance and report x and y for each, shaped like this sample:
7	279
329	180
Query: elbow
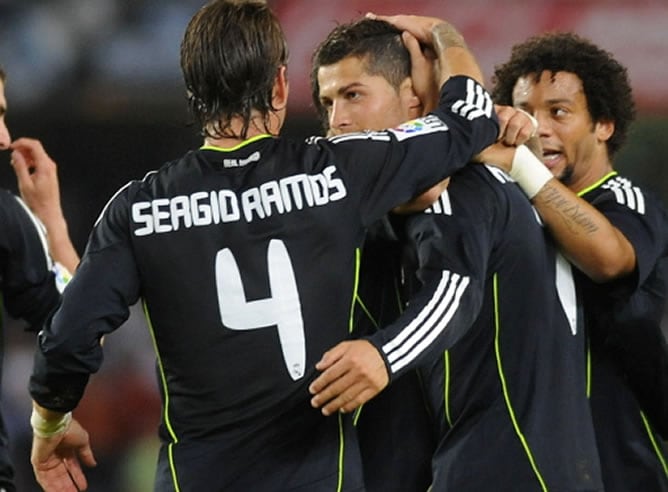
605	261
604	271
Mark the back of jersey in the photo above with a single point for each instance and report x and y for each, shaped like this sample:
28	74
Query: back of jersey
241	237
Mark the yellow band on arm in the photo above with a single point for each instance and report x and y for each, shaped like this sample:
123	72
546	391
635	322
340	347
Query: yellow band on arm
529	172
42	427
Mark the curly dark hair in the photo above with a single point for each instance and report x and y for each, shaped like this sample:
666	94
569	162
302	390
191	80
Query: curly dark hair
376	42
605	81
230	55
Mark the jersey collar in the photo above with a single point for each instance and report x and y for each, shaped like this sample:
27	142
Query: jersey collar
238	146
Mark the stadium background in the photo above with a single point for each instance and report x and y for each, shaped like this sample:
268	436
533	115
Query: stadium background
98	82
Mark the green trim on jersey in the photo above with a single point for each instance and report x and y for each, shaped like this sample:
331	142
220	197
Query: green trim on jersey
358	300
368	314
342	446
172	466
165	391
358	262
351	323
238	146
504	385
357	413
446	386
596	184
655	445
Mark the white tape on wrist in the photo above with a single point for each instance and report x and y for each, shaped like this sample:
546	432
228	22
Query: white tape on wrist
529	172
47	428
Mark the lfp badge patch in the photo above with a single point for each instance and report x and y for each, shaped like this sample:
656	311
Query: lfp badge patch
420	126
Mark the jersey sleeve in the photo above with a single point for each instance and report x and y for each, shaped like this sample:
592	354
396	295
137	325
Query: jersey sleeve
95	303
453	245
28	285
635	336
390	167
643	221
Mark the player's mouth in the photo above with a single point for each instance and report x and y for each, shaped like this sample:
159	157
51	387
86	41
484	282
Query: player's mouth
551	158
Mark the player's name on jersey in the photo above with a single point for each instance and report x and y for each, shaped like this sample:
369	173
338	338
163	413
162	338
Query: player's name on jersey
205	208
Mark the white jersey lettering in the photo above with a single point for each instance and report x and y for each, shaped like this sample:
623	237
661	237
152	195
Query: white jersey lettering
203	208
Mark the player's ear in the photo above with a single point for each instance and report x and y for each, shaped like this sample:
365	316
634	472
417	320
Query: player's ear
280	91
409	99
604	130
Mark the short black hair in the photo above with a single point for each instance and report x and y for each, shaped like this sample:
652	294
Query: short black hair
604	80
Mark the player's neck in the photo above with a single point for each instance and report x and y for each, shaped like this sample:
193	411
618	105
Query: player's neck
258	126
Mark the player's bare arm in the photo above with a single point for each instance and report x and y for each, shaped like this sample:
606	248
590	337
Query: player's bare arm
37	177
584	235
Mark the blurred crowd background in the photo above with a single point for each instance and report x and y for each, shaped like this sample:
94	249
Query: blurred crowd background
98	81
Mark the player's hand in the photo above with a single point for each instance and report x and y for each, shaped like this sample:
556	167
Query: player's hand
56	461
37	178
424	72
497	154
419	26
516	126
418	39
353	372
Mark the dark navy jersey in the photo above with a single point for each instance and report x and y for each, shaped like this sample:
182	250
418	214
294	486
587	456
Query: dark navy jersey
246	262
629	355
27	281
394	428
508	394
27	285
380	293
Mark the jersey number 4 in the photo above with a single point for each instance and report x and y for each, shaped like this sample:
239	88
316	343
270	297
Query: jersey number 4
282	309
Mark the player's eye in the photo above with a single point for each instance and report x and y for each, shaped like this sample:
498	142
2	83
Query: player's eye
559	112
326	104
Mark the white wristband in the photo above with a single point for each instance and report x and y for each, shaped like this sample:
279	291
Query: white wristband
529	172
46	428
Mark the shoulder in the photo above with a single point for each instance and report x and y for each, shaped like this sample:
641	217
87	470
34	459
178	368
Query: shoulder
621	191
14	211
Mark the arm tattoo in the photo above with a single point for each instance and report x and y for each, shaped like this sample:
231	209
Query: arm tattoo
446	36
574	218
